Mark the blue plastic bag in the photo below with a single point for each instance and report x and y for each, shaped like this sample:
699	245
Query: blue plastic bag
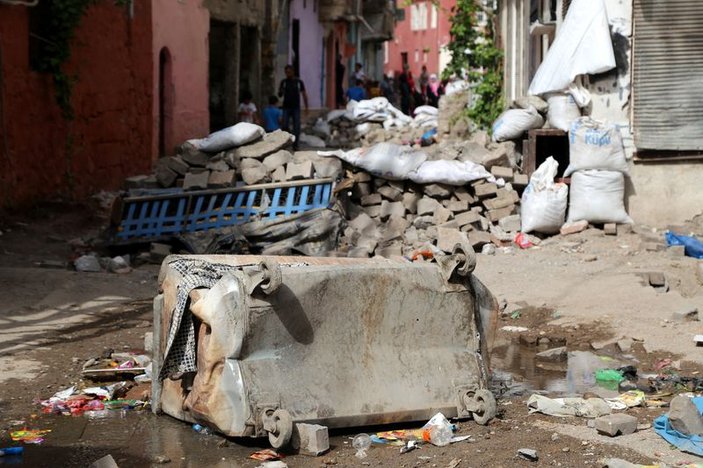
694	247
684	442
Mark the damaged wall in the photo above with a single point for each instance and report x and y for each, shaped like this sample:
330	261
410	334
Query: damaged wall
44	156
180	32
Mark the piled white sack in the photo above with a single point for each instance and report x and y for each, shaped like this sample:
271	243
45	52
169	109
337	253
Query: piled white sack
598	167
426	116
513	123
544	201
228	138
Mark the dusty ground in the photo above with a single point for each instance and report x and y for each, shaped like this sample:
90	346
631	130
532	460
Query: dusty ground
583	291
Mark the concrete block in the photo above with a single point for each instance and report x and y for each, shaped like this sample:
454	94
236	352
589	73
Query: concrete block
279	174
461	193
499	156
296	171
389	209
164	176
410	201
362	177
423	222
217	165
442	215
427	206
371	199
254	175
498	203
501	172
194	157
686	314
248	163
327	168
311	439
657	279
373	210
437	191
363	223
390	193
496	215
194	181
394	229
573	228
684	416
457	206
610	229
468	217
222	179
508	192
277	159
510	223
447	238
520	181
362	189
270	143
478	239
616	424
486	190
178	165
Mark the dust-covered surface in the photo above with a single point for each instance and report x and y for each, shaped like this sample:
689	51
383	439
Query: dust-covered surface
585	291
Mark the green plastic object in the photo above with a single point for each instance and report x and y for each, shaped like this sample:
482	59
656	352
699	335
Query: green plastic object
609	378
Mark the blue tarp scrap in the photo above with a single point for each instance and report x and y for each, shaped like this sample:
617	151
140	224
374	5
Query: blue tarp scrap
684	442
694	247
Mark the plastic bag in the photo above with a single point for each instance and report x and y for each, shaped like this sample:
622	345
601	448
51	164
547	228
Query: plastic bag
228	138
595	145
597	197
694	247
582	46
513	123
544	201
387	160
562	111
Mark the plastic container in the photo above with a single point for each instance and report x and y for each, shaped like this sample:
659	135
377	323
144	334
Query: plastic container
361	443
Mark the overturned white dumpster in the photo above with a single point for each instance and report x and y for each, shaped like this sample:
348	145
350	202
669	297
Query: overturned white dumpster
251	345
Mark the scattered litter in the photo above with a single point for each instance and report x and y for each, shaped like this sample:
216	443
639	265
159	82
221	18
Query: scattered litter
690	443
609	378
266	455
409	446
28	436
629	399
91	401
694	247
361	443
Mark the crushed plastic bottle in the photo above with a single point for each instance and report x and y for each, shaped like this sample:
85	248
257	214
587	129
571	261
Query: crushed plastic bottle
361	443
438	431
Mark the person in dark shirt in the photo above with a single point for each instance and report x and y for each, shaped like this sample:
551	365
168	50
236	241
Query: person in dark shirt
356	93
290	90
272	115
404	85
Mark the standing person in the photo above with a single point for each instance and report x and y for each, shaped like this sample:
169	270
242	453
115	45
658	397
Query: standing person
387	88
247	109
272	115
404	85
356	93
359	73
424	81
339	80
290	90
434	91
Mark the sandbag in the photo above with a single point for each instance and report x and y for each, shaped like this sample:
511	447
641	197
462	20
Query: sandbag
537	102
513	123
598	197
387	160
449	172
543	203
228	138
595	145
430	110
563	110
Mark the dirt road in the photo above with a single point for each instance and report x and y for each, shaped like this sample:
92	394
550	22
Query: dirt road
585	291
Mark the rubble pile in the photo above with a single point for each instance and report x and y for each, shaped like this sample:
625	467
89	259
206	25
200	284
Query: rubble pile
390	218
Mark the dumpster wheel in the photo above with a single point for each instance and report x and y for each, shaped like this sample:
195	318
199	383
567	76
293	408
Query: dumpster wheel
279	427
482	404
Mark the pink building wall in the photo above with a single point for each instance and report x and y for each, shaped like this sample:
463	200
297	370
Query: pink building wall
311	48
181	27
405	40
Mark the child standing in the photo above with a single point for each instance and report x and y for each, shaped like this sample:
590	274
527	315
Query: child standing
247	109
272	115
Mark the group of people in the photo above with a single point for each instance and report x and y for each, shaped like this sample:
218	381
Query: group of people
291	90
426	91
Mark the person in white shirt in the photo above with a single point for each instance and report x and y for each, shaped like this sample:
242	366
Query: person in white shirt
247	109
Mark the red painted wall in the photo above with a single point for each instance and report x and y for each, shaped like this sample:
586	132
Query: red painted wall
407	40
111	136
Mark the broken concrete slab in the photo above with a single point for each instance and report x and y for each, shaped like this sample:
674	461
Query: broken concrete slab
553	354
496	215
178	165
297	171
510	223
437	191
193	181
498	203
500	172
390	193
371	199
447	238
468	217
275	160
616	424
427	206
684	416
391	208
520	181
410	201
222	179
217	165
270	143
457	206
164	176
478	239
442	215
573	228
486	190
254	175
327	168
279	174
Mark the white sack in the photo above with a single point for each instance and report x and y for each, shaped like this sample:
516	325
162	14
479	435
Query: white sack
543	204
595	145
336	114
312	140
563	110
228	138
429	110
455	86
582	46
450	173
513	123
363	128
387	160
598	197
